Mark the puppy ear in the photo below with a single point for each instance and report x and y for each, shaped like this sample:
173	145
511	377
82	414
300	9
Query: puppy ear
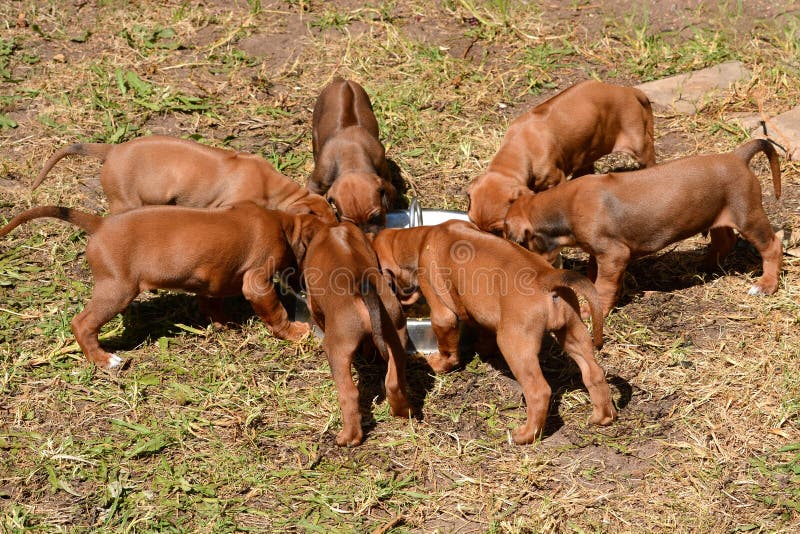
519	192
304	228
387	192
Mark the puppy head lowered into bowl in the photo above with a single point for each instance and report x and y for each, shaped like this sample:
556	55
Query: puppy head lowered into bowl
533	225
399	264
489	198
362	199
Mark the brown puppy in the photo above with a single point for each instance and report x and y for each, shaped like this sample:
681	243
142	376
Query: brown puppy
211	252
350	166
620	217
352	303
158	170
468	275
562	136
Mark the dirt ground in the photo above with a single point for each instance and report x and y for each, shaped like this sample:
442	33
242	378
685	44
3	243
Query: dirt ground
232	430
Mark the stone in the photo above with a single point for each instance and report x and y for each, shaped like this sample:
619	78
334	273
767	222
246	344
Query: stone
784	129
686	93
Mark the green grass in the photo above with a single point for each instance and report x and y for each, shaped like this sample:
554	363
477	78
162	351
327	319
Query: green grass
232	430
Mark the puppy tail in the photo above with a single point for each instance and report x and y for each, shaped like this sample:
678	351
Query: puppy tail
97	150
383	329
581	285
87	221
753	147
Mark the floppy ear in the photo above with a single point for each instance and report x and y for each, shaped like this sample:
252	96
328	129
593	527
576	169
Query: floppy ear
387	192
304	228
518	192
319	206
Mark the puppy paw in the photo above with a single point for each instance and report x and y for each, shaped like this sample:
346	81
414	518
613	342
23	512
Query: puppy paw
349	438
105	360
402	410
114	361
763	288
441	364
586	312
297	331
525	434
604	416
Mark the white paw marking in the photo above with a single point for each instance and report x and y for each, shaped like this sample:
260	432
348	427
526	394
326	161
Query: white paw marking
114	361
755	290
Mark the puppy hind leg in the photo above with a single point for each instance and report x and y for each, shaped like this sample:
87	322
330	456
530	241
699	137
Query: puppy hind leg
577	343
341	352
107	301
645	155
759	233
521	352
395	382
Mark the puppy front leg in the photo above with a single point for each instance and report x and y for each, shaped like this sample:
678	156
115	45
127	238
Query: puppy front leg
722	242
212	308
610	268
257	287
444	324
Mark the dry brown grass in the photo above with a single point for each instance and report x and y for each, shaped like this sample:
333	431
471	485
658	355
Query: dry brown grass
232	430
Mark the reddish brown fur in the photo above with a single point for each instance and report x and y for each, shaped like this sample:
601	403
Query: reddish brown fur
353	304
468	275
158	170
617	218
211	252
350	166
561	137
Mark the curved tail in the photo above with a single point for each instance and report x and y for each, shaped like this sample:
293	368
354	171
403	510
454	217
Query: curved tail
746	152
96	150
383	329
582	286
87	221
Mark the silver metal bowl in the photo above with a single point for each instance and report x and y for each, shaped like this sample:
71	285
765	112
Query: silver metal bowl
420	336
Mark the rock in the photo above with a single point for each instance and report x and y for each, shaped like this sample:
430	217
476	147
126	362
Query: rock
784	129
685	93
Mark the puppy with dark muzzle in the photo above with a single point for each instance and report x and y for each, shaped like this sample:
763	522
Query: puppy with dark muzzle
617	218
350	167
